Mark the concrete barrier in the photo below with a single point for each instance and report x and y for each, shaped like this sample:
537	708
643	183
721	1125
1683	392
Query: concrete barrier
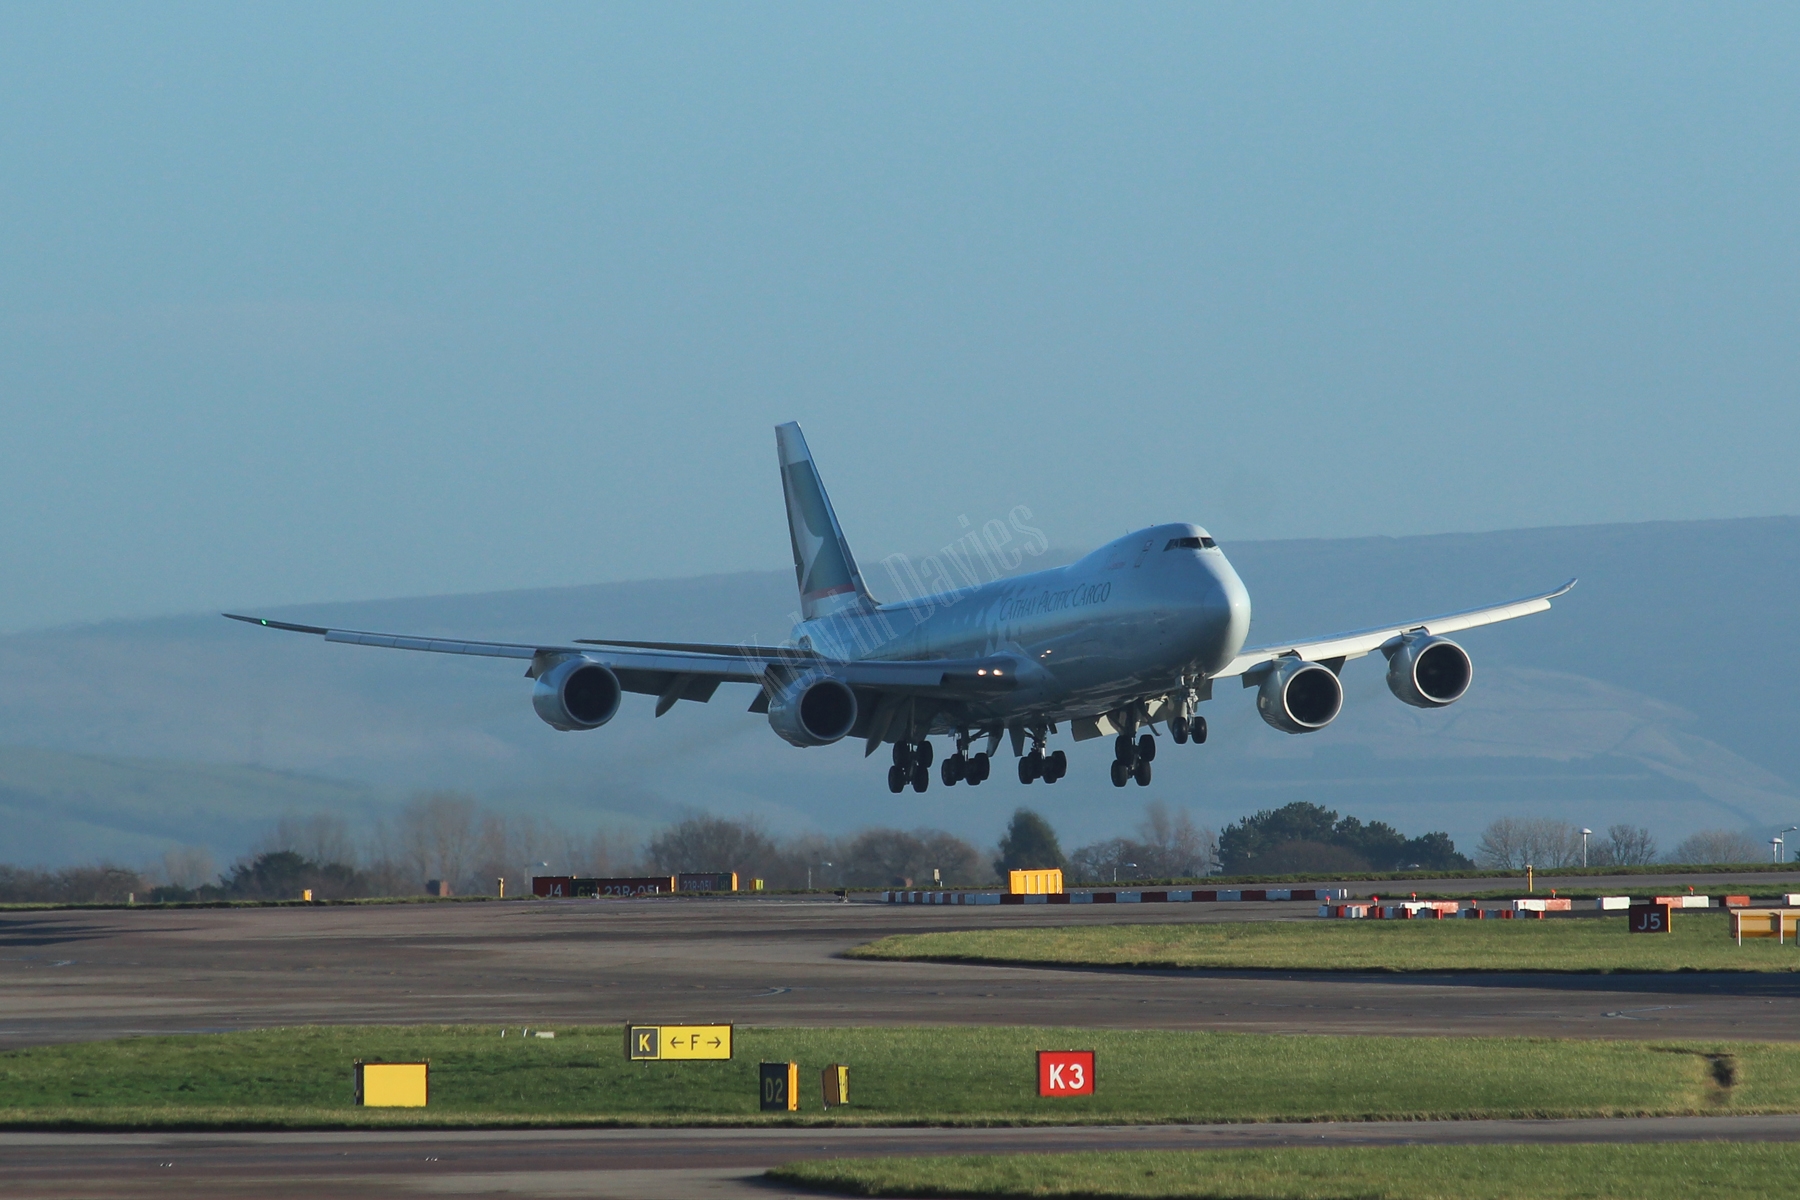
1613	903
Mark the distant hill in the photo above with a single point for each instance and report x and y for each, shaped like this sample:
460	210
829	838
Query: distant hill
60	808
1662	691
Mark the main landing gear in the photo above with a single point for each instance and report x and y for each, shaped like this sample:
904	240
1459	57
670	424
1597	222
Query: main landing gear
963	767
1131	760
912	764
1038	765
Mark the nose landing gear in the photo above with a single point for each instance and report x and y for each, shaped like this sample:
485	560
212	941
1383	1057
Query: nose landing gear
1184	730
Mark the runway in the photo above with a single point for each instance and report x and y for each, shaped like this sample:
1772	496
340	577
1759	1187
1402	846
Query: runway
69	975
679	1164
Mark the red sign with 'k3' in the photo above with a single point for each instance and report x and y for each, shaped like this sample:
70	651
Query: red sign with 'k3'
1065	1072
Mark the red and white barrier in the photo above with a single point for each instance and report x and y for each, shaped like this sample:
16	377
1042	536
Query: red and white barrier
1125	896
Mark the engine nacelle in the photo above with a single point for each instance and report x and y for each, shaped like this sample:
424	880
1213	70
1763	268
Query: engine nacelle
1297	696
577	693
813	711
1429	672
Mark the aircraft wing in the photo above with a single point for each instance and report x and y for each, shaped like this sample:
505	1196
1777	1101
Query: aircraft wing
692	671
1359	642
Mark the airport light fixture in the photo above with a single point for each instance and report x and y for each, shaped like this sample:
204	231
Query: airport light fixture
1585	834
1780	838
1117	865
1775	842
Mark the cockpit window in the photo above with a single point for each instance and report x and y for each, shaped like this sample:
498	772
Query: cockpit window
1190	543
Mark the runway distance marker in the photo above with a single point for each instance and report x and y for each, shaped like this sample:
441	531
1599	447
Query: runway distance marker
1065	1072
663	1043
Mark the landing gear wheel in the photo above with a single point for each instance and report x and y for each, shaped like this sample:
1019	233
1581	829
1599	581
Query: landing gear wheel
896	778
953	769
903	754
922	754
1120	773
1197	731
1124	749
1055	767
921	777
1142	773
979	766
1146	748
1178	729
1031	766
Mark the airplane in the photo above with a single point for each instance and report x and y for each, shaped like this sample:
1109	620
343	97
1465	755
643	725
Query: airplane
1133	635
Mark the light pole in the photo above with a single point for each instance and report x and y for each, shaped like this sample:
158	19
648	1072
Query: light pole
1775	842
1117	865
1584	837
1779	838
809	868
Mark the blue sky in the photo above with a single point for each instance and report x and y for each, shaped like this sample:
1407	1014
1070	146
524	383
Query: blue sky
316	302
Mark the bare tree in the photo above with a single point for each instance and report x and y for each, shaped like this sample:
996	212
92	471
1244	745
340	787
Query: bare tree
1717	846
708	843
322	838
894	858
433	837
187	867
1629	846
1174	847
1167	847
1511	843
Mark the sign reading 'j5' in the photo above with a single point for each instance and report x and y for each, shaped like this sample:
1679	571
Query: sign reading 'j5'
665	1042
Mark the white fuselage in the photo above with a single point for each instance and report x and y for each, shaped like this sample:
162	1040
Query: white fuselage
1139	616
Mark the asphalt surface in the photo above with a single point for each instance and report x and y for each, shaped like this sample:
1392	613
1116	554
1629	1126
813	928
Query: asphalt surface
82	974
677	1164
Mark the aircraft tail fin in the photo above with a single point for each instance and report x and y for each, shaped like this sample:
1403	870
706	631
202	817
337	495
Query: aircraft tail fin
823	565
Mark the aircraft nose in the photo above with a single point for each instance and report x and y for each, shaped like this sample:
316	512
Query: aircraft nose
1227	605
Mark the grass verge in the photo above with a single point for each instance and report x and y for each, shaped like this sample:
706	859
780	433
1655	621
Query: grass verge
1698	942
1691	1171
296	1078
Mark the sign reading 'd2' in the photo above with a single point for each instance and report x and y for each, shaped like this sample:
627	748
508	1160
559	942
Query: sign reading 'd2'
1065	1072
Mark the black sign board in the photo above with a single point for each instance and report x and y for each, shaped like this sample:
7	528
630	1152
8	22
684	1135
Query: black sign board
780	1087
1647	918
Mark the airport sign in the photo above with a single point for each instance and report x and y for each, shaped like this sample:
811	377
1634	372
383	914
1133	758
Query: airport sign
663	1043
1065	1072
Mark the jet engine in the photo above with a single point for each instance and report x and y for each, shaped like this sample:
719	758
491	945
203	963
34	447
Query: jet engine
1297	696
813	711
1429	672
577	693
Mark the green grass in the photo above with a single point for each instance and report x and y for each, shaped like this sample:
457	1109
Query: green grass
1690	1171
302	1077
1588	944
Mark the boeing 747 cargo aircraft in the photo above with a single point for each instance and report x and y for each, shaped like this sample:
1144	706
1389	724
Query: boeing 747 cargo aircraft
1132	636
